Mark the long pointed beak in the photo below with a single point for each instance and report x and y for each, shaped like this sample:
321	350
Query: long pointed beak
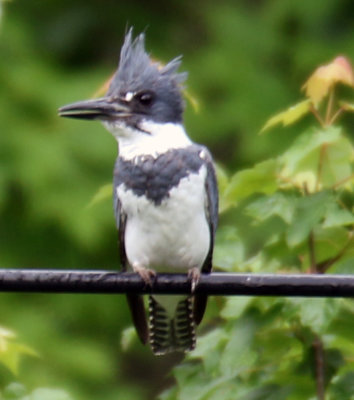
103	109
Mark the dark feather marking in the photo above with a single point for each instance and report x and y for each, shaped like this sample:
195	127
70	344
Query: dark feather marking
155	177
179	334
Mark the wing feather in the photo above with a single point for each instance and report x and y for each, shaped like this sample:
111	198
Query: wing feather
135	302
211	212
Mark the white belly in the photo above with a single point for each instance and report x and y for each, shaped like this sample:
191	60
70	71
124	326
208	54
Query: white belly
173	236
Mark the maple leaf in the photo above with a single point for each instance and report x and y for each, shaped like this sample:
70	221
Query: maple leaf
289	116
325	76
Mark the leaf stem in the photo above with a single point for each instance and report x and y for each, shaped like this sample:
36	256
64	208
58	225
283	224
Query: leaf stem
328	117
317	116
343	181
336	115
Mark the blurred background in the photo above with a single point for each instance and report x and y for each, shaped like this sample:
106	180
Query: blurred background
246	61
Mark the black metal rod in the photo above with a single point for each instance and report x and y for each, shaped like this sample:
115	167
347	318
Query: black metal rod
93	281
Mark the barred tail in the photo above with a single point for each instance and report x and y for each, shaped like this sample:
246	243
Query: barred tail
171	334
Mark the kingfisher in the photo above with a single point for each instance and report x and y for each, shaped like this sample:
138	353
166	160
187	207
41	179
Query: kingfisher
164	191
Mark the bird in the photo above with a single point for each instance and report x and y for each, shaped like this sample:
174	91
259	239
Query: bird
165	191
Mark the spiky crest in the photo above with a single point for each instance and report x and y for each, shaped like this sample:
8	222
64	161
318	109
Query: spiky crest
137	71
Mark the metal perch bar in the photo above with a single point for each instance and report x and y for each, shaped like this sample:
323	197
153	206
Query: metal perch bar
219	284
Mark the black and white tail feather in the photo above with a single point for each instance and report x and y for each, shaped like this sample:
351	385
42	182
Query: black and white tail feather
168	334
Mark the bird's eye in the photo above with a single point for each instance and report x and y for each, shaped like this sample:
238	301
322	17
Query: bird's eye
145	98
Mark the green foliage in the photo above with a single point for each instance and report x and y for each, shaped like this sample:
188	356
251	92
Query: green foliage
302	202
11	350
259	179
16	391
289	116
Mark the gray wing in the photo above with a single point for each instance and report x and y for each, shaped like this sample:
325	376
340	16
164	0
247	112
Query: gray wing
211	210
120	217
135	302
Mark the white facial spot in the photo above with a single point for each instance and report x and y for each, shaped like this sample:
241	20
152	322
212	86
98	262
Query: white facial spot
129	96
202	155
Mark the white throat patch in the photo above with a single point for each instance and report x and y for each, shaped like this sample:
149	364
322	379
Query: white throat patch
157	138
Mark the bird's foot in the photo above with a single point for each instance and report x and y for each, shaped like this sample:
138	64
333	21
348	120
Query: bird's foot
146	274
194	276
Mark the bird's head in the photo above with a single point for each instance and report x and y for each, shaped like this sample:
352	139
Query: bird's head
142	92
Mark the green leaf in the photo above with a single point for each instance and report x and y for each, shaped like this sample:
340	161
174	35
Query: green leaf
209	348
262	178
338	164
280	204
11	356
289	116
317	314
269	392
229	248
215	339
195	383
342	387
319	158
326	76
341	327
346	263
337	216
312	139
12	351
225	391
329	242
239	354
308	213
279	347
235	306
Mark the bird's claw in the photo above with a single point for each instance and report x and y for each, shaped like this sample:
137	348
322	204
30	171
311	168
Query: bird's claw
194	276
146	274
